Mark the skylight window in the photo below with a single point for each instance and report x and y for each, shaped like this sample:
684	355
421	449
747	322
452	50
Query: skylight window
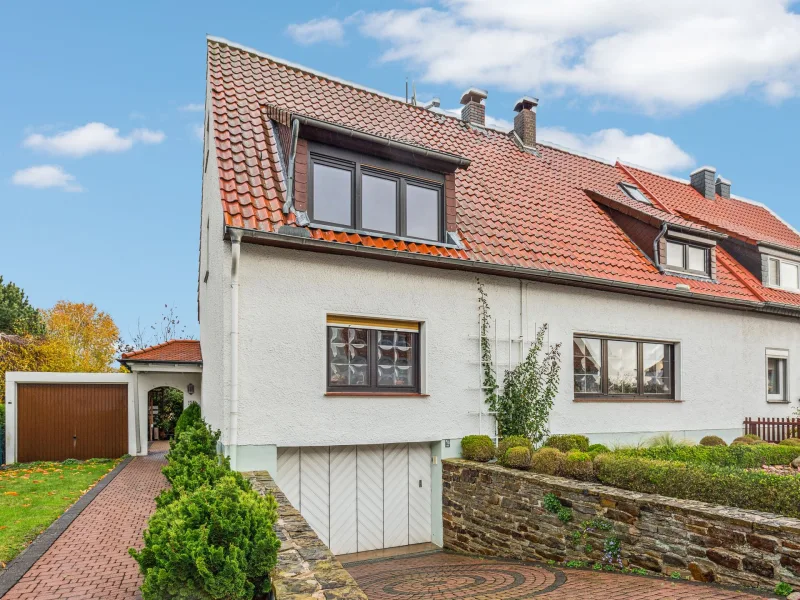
634	193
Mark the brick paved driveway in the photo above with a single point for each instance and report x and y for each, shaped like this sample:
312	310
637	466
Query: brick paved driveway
90	559
444	576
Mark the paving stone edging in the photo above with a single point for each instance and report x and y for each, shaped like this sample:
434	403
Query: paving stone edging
306	567
22	563
491	510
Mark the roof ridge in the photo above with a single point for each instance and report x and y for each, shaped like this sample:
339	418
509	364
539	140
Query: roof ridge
333	78
154	346
586	155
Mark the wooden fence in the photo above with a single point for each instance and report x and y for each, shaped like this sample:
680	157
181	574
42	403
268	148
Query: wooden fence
773	430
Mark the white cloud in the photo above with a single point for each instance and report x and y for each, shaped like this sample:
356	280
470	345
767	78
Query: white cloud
90	139
192	107
198	132
493	122
46	176
655	55
647	149
316	30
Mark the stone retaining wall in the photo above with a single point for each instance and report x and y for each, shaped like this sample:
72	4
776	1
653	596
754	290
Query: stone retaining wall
494	511
306	567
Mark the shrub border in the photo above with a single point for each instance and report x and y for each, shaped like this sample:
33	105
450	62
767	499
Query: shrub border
22	563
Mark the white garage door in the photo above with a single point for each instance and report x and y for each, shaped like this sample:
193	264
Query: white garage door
361	498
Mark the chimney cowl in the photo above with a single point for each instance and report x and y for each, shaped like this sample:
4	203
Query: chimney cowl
703	180
526	103
474	111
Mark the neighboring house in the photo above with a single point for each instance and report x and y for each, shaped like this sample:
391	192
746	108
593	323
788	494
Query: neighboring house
342	233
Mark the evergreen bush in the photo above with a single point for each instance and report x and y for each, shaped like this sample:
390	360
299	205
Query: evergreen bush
512	441
578	465
479	448
216	543
518	457
567	442
189	418
189	475
712	440
548	461
596	449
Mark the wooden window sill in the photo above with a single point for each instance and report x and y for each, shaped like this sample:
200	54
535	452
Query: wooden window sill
633	399
378	394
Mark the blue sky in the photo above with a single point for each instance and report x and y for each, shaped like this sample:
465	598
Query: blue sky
100	182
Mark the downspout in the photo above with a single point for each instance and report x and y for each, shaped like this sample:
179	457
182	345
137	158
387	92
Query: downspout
233	437
288	204
655	247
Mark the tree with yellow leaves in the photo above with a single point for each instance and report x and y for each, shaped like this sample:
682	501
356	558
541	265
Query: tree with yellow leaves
90	336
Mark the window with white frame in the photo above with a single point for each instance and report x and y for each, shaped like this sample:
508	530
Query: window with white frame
784	274
777	375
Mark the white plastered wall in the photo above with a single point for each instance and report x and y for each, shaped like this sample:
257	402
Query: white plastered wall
285	296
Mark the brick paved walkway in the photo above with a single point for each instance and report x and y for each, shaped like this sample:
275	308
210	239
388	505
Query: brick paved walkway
90	559
444	576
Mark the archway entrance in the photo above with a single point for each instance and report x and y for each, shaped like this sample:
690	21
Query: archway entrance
164	406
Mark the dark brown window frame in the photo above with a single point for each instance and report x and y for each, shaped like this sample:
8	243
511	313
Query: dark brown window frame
686	245
372	362
358	165
640	394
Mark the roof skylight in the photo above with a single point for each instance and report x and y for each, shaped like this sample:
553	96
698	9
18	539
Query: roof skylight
634	193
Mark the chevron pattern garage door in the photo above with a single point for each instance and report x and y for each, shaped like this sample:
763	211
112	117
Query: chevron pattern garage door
360	498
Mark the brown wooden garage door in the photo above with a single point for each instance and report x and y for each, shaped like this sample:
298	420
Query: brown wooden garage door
60	421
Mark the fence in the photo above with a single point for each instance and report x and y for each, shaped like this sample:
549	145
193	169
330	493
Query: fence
773	430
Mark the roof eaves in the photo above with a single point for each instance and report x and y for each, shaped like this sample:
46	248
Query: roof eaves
504	270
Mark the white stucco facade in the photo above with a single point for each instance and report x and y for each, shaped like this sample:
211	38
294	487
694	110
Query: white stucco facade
286	295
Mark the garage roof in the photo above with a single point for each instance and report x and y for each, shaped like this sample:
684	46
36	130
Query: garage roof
173	351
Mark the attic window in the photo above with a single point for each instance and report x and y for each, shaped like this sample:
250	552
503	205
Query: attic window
784	274
634	193
686	257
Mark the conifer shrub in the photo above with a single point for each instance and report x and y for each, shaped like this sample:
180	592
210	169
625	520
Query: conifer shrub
712	440
518	457
578	465
189	418
215	543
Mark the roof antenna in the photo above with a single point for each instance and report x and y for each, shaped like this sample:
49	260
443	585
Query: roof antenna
413	93
406	90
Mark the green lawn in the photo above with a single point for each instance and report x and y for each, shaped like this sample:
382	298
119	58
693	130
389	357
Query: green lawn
34	495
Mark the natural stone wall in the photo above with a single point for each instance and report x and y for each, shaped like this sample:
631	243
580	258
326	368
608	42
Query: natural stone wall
494	511
306	567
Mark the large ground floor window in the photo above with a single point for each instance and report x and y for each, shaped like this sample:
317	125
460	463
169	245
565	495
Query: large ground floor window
623	368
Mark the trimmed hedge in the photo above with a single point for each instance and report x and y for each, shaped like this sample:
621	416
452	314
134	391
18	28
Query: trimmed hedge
746	456
712	440
518	457
479	448
567	442
728	486
548	461
790	442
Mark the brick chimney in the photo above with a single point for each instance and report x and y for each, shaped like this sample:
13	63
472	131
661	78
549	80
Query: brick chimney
703	181
723	187
474	111
525	121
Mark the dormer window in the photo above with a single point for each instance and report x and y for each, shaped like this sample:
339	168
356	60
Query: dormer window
364	193
634	193
784	274
686	257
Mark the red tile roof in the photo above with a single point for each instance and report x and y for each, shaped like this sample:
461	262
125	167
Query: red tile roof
513	208
178	351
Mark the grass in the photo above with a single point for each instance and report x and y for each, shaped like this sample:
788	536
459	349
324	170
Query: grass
33	495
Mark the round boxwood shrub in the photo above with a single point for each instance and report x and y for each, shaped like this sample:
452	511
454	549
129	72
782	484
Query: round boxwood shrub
548	461
512	441
596	449
745	441
753	436
568	442
518	457
790	442
712	440
578	465
213	544
477	447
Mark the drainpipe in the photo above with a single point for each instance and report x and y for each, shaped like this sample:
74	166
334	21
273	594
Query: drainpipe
655	246
233	437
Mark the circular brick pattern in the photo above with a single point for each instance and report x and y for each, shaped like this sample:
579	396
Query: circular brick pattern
500	581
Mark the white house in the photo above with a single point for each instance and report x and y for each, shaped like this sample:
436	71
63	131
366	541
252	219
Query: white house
341	237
